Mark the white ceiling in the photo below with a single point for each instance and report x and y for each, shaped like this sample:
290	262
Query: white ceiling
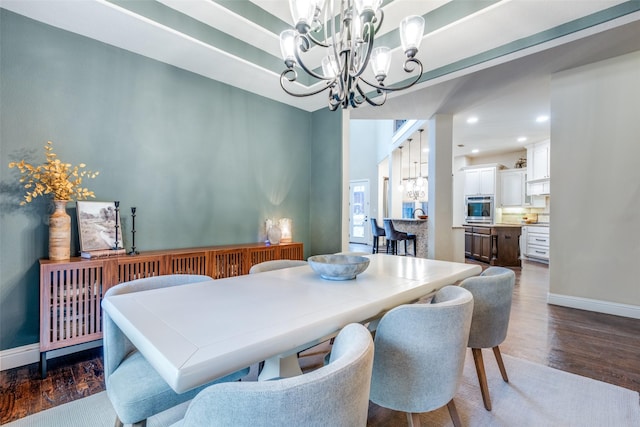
506	91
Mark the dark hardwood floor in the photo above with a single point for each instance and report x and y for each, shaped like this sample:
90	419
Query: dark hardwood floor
599	346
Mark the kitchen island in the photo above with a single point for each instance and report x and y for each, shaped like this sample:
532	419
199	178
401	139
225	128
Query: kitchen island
420	229
496	244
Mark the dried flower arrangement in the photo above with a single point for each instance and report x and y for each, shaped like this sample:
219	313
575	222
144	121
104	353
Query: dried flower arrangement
62	180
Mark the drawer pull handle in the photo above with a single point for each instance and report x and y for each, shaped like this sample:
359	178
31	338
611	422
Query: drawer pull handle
541	240
540	252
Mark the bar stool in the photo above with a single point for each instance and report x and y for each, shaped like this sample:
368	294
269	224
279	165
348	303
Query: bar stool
377	232
394	235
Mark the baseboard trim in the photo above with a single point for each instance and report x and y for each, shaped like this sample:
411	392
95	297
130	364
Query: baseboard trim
19	356
25	355
607	307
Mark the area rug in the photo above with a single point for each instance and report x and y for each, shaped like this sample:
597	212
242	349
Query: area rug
535	396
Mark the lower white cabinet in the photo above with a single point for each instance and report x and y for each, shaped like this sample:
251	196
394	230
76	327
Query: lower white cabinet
536	244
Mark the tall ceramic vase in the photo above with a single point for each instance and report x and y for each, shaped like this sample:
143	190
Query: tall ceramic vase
59	232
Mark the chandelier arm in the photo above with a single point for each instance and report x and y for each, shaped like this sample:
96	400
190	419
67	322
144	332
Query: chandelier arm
316	41
369	100
290	79
336	44
384	88
377	28
368	41
307	70
355	102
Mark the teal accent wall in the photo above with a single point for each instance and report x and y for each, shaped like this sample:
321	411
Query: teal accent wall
204	163
326	175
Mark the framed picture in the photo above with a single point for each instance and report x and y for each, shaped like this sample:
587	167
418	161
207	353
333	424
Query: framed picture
97	226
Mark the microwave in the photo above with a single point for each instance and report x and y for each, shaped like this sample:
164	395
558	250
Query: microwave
479	209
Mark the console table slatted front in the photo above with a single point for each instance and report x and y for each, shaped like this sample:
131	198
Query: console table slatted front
71	291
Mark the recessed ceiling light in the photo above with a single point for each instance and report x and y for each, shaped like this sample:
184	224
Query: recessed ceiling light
475	150
472	120
522	139
542	119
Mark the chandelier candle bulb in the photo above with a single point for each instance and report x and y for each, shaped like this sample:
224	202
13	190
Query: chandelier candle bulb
411	29
287	47
381	62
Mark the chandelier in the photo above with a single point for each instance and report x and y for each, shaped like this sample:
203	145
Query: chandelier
348	38
416	186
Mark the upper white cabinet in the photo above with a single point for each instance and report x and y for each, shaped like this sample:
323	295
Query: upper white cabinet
481	180
512	184
538	168
539	165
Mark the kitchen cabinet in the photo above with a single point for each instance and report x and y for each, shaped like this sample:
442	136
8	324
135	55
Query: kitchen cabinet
480	181
512	187
539	188
494	244
538	168
536	242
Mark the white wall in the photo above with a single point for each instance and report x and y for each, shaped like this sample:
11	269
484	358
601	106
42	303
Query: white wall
595	221
366	139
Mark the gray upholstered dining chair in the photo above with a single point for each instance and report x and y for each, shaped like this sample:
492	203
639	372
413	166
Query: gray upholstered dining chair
276	264
393	236
376	232
334	395
492	294
419	354
135	389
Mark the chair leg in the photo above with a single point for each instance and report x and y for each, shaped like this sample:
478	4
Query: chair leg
142	423
413	419
375	244
453	412
482	377
405	247
503	371
414	248
118	422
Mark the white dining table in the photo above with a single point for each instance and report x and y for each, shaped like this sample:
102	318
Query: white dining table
192	334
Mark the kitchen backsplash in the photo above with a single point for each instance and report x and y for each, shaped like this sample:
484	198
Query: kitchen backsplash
516	216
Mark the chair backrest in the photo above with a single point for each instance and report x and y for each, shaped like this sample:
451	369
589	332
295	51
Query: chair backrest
335	395
375	229
420	351
116	345
492	293
390	231
276	264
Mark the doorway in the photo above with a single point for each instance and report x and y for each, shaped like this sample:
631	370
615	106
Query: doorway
359	200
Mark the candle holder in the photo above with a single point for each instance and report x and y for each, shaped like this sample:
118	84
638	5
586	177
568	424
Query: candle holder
116	244
133	233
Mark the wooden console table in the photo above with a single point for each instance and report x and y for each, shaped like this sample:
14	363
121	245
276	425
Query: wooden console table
71	291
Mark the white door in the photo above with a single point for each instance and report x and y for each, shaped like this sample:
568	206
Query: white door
359	227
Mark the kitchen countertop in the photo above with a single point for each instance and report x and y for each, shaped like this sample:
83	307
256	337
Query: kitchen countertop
407	219
493	225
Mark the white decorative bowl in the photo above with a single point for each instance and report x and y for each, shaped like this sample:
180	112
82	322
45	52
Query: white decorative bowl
338	267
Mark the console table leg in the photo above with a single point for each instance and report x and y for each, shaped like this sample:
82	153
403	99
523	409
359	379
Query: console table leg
43	364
